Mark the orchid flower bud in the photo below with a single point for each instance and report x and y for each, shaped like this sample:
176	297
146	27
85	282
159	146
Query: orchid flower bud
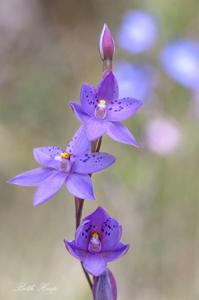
106	44
105	287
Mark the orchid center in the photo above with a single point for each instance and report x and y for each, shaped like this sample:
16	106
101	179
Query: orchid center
100	111
94	243
64	161
65	155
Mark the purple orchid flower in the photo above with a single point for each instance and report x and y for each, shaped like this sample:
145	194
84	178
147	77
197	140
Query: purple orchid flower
97	242
68	167
102	112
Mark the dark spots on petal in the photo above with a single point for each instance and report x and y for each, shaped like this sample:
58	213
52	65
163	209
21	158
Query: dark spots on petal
108	227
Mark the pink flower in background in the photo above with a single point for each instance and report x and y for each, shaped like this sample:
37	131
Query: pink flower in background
162	136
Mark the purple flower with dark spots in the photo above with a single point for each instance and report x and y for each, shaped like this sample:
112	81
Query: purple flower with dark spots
102	112
68	167
97	242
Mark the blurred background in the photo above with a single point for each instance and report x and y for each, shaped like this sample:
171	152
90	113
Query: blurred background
47	50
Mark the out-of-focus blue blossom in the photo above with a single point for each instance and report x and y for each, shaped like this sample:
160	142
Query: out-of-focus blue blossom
136	80
138	31
180	59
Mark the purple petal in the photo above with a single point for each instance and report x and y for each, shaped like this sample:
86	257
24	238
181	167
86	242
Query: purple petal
95	128
49	187
116	253
108	88
97	218
75	251
88	99
82	235
93	162
80	186
46	156
120	133
122	109
110	234
78	111
79	143
31	177
94	264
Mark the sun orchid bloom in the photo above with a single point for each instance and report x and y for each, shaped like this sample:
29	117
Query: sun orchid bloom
97	242
68	167
101	111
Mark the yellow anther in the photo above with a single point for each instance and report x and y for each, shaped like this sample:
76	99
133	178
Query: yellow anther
95	234
102	102
65	155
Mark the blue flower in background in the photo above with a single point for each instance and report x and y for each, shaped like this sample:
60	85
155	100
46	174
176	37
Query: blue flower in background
135	79
180	60
138	31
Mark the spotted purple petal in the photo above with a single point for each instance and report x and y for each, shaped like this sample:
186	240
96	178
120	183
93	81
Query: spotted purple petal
31	177
93	162
120	133
97	218
46	156
79	112
79	143
49	187
122	109
83	233
88	99
110	234
108	88
80	186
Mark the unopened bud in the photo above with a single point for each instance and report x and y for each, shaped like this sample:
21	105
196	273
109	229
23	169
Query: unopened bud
106	44
104	287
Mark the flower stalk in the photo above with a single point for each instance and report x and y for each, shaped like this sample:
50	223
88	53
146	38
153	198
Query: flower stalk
107	49
101	111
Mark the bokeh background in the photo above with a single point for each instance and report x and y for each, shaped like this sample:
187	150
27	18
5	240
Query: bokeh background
47	50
